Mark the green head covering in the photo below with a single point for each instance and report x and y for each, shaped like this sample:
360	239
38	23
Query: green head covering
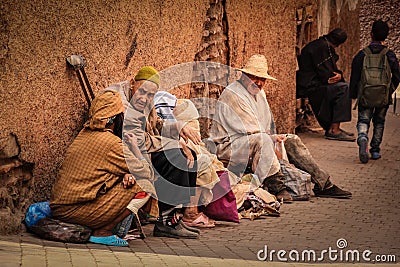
148	73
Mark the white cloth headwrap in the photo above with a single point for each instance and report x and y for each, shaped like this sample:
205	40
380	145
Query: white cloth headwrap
164	104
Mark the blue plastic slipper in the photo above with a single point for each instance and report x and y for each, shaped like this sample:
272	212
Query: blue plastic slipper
111	240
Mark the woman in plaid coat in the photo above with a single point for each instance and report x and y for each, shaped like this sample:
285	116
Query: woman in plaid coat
95	186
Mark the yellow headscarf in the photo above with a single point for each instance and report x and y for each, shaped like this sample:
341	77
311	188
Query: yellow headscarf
148	73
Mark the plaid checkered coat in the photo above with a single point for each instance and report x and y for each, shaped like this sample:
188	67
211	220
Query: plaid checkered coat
89	188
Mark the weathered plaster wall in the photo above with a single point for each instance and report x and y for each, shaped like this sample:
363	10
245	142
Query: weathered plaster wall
42	105
231	36
347	19
267	27
41	100
342	14
387	10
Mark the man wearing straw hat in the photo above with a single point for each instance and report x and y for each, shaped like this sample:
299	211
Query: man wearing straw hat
243	130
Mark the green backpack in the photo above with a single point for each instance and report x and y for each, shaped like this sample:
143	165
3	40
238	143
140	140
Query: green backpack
376	79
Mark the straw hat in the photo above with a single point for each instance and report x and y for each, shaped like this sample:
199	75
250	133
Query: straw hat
257	65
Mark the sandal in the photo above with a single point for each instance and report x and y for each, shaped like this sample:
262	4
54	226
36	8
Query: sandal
202	221
111	240
208	218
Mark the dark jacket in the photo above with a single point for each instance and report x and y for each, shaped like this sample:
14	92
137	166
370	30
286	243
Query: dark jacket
357	64
317	63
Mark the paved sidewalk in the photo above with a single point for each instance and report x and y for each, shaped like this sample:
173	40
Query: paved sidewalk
370	221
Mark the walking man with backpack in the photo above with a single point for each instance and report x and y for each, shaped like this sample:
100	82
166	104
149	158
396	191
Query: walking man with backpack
374	77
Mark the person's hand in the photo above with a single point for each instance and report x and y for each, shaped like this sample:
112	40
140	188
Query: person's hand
188	153
131	140
335	79
188	132
278	154
281	138
128	181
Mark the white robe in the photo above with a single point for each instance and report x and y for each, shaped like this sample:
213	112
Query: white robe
241	129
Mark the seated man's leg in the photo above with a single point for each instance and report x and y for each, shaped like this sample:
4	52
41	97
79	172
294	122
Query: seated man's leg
300	156
174	187
340	106
252	150
257	150
331	106
266	166
341	102
320	106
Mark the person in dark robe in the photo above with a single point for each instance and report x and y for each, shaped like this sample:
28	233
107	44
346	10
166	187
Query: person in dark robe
320	80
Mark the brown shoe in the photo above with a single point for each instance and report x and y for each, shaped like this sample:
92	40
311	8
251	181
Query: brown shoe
284	196
343	131
333	192
339	137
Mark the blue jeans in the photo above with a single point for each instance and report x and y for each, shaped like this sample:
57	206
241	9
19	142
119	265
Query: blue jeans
378	119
